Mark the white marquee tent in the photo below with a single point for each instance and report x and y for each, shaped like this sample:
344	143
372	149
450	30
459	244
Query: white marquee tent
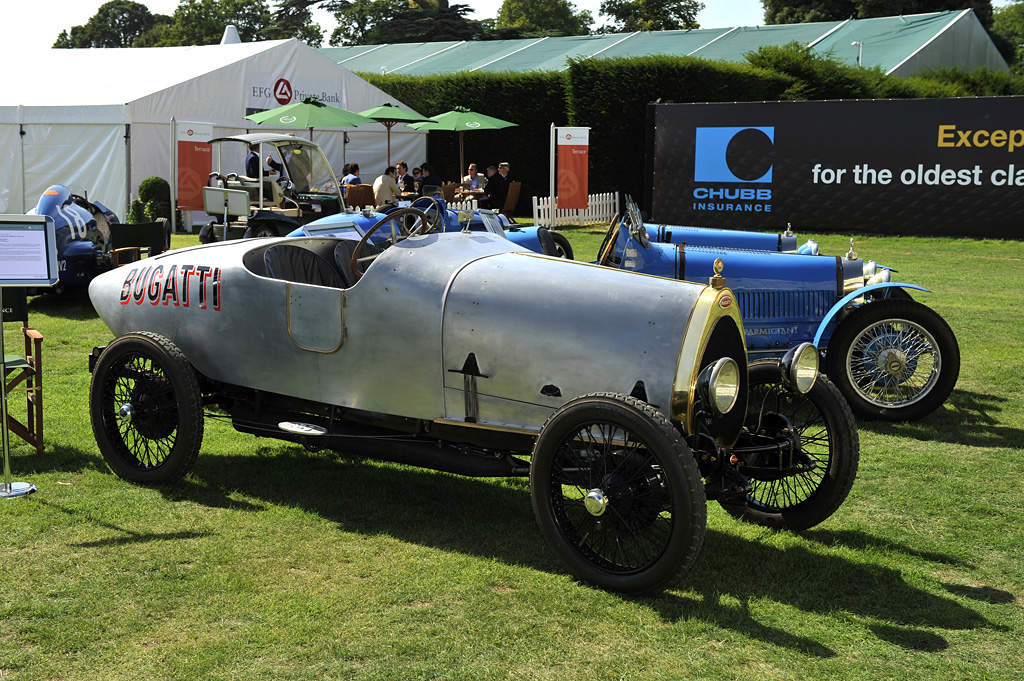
99	119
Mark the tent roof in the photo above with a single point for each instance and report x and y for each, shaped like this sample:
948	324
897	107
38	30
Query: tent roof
888	42
91	77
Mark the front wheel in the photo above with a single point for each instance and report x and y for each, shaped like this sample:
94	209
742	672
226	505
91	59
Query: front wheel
617	494
895	360
562	246
797	489
146	409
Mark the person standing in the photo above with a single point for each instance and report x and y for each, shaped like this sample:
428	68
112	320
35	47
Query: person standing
385	188
252	163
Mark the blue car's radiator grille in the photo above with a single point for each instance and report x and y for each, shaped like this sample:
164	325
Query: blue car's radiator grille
785	304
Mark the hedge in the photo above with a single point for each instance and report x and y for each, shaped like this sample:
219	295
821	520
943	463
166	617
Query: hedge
611	96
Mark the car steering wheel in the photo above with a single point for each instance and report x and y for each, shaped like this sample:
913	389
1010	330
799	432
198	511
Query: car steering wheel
359	264
434	212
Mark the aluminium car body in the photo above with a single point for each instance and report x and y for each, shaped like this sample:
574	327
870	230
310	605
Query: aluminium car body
436	352
892	357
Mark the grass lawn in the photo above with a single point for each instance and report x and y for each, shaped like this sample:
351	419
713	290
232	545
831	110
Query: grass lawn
271	562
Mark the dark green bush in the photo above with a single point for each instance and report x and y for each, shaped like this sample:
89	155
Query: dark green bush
611	96
152	210
154	189
136	212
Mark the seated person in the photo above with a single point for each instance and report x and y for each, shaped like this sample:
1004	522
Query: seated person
417	177
497	189
385	188
429	178
252	164
406	182
352	177
474	181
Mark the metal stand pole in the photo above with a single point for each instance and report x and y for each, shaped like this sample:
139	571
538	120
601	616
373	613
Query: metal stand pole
8	489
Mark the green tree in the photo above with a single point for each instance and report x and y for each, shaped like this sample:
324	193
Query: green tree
369	22
803	11
294	19
116	24
650	15
544	17
202	22
1008	31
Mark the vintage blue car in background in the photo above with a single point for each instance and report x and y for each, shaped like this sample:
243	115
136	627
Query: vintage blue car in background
82	231
892	357
785	242
353	224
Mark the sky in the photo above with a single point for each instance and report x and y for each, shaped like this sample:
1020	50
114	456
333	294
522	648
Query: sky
39	30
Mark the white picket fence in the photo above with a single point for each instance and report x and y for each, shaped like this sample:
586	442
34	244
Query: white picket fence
600	208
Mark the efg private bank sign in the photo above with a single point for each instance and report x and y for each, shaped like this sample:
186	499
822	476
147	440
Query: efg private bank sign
943	167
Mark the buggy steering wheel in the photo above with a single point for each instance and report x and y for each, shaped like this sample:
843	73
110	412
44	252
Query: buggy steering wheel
424	227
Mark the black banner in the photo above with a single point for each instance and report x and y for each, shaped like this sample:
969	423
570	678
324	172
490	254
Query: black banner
934	167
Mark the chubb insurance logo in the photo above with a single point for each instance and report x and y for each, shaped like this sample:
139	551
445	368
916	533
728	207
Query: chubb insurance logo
731	167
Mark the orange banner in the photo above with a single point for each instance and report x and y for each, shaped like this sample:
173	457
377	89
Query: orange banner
195	161
573	166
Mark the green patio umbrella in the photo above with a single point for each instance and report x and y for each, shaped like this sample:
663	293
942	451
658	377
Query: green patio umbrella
391	115
310	113
462	120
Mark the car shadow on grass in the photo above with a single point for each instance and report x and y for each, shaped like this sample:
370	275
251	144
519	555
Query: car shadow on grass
494	519
967	418
72	305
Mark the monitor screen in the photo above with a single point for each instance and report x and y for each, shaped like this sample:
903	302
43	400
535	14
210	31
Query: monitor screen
28	251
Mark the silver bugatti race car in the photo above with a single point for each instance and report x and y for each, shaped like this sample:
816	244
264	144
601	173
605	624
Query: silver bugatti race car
447	351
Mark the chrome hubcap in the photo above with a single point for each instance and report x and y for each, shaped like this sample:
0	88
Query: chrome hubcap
893	363
126	412
596	502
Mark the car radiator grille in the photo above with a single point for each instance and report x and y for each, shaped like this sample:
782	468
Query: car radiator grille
769	305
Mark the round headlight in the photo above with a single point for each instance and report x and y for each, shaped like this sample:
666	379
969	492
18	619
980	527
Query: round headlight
720	384
800	368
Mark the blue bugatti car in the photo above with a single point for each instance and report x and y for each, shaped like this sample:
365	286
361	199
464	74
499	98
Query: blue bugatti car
891	356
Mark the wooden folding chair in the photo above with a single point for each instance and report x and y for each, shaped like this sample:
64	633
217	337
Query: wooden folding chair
24	373
511	200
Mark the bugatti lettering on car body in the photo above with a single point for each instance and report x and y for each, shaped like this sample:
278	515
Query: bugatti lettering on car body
624	431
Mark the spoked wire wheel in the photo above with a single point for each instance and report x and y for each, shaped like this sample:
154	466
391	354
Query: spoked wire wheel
146	409
812	478
894	359
617	494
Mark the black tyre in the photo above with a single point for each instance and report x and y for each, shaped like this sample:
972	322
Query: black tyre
895	360
826	461
146	409
207	235
562	246
260	230
617	494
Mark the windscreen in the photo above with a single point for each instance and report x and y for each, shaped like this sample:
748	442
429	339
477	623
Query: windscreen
308	169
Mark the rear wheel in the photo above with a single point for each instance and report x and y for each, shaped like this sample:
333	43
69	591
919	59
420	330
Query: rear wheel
895	360
146	409
617	494
260	230
799	491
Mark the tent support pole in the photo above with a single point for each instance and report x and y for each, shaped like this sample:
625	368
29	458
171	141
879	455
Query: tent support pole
127	169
